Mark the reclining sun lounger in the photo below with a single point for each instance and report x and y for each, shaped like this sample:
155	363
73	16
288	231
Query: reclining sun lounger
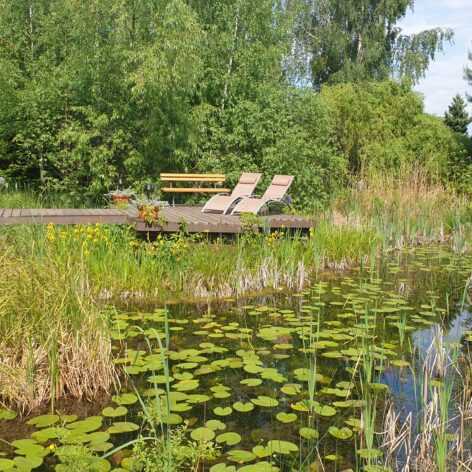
275	193
224	203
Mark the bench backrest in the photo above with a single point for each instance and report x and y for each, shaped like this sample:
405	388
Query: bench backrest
215	178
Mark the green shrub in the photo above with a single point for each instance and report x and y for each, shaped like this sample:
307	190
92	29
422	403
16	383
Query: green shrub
281	131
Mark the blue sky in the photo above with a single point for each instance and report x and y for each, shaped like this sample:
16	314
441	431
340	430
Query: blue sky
445	77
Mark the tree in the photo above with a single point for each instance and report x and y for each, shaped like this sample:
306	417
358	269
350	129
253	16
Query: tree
352	40
457	117
468	76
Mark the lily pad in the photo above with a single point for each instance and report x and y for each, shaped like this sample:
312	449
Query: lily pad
125	399
222	411
309	433
202	434
43	421
223	468
215	425
86	426
230	439
243	407
111	412
6	464
340	433
252	382
286	417
265	402
370	453
240	456
259	467
277	446
7	415
122	427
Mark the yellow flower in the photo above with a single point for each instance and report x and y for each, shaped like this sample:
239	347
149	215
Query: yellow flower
51	232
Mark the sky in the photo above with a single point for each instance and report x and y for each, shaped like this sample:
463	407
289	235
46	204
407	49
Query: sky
445	76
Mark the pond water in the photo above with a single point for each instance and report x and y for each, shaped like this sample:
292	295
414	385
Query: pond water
281	380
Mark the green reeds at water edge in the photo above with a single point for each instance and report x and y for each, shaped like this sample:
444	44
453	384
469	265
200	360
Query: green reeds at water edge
436	437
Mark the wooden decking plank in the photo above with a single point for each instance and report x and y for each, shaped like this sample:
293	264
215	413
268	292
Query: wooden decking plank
193	217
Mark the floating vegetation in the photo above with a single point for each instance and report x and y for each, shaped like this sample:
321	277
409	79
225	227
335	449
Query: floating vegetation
288	381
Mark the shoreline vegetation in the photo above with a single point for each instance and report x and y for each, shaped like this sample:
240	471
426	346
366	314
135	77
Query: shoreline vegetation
57	280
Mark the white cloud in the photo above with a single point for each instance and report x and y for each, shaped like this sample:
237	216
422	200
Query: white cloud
445	77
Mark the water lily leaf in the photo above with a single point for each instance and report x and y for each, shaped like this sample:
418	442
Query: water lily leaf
261	451
197	398
400	363
291	389
171	419
259	467
86	426
43	421
264	401
111	412
251	382
222	411
69	418
46	434
223	468
340	433
27	463
354	423
6	464
369	453
281	447
202	434
122	427
379	387
230	439
323	410
215	425
243	407
309	433
286	417
222	394
160	379
240	456
7	415
100	446
300	406
99	436
186	385
125	399
30	449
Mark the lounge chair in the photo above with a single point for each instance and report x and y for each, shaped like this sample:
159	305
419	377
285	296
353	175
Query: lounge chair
224	203
275	193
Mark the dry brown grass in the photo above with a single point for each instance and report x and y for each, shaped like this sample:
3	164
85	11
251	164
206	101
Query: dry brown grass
406	209
54	340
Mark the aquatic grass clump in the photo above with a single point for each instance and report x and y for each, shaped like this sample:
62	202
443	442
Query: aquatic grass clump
54	340
407	209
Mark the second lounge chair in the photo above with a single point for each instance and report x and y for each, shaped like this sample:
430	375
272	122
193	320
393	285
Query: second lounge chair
276	193
224	203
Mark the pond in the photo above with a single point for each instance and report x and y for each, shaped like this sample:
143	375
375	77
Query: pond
284	381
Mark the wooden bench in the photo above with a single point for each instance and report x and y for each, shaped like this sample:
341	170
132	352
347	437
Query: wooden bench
199	178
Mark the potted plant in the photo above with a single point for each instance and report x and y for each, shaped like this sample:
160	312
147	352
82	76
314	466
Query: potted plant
121	196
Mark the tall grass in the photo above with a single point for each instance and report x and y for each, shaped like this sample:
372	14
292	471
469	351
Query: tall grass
405	210
54	340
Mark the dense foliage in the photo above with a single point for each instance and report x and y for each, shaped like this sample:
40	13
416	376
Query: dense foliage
457	117
113	91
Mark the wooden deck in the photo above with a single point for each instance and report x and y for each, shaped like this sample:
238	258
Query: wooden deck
172	219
